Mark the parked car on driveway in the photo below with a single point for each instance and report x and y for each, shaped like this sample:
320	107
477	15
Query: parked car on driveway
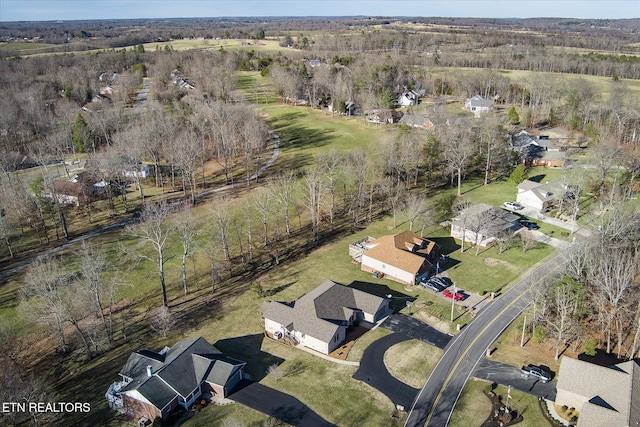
444	282
528	224
536	372
457	296
513	205
432	284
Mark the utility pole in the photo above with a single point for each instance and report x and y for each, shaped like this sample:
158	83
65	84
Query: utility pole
523	326
453	301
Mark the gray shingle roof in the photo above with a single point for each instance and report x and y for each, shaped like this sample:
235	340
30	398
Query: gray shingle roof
554	190
178	371
492	219
612	393
522	139
323	310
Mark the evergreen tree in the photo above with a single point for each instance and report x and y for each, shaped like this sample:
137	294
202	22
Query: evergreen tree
519	174
512	116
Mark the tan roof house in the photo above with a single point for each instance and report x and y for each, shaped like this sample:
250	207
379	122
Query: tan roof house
405	257
319	320
603	396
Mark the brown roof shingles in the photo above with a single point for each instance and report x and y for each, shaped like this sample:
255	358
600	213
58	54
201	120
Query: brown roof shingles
398	251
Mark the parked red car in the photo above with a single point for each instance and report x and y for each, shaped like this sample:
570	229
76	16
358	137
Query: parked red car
458	296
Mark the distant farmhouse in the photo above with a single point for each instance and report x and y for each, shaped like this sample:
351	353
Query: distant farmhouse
478	105
537	151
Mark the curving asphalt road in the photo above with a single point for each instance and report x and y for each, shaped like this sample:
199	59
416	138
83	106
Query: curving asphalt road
437	398
276	150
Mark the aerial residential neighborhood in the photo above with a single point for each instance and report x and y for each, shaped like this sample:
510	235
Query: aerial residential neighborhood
324	215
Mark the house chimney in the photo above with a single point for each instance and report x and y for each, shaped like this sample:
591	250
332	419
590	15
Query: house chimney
149	371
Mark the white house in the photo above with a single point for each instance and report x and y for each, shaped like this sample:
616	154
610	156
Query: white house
143	171
407	99
541	196
319	319
478	105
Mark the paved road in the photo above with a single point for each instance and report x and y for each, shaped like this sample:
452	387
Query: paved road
278	405
501	373
276	150
437	399
373	371
414	328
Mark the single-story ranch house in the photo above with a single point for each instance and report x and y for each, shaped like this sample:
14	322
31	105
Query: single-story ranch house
483	224
603	396
542	196
319	319
155	383
405	257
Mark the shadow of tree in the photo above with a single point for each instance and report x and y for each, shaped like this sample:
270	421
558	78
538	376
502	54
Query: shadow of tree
398	299
247	349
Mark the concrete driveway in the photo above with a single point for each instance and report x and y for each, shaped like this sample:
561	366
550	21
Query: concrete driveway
276	404
373	371
416	329
507	375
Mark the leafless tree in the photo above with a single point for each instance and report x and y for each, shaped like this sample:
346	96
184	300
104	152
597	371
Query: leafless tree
415	207
262	203
458	149
154	231
162	321
314	198
331	163
282	188
92	268
611	279
393	191
44	298
220	214
187	230
566	303
527	241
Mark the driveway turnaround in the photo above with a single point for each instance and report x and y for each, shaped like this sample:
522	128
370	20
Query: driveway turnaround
414	328
507	375
278	405
373	371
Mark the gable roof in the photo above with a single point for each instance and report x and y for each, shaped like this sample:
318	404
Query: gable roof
321	312
522	139
479	102
493	219
609	391
553	190
178	370
406	251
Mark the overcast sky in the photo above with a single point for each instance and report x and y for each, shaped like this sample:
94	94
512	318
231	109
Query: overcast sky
45	10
